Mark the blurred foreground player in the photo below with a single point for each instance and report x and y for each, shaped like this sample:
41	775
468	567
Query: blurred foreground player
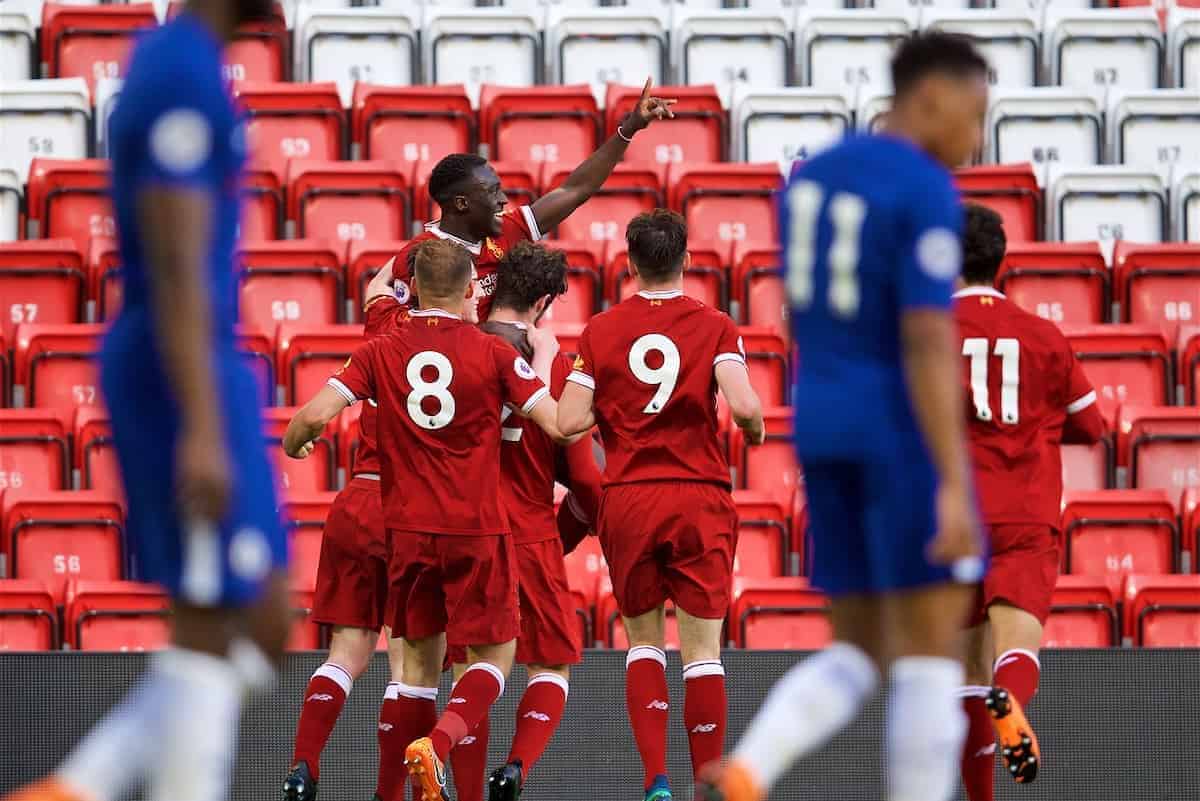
871	241
441	385
472	201
352	589
648	371
1026	395
201	491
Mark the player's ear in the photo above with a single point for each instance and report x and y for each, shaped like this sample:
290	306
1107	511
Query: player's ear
633	270
687	260
461	204
470	289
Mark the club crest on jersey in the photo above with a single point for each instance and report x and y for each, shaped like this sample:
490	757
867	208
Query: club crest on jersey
523	369
985	301
494	249
578	365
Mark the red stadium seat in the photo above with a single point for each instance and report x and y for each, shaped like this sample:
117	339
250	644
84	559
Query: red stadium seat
1125	363
706	279
779	614
517	178
362	264
1062	282
1011	190
1188	540
568	337
610	628
1187	368
33	449
632	188
57	536
95	458
1163	611
259	350
1161	447
726	202
800	551
412	123
262	217
348	200
41	281
27	619
1087	467
289	281
54	365
349	437
1158	284
762	544
317	473
1113	533
585	270
309	354
69	199
305	514
260	50
116	616
104	276
697	132
1083	614
770	467
767	358
91	42
293	121
539	123
757	285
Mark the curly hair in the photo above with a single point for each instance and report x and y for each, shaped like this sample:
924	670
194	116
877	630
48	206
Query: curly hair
528	272
984	243
449	173
657	243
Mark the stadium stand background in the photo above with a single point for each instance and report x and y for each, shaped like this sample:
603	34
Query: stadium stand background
1092	157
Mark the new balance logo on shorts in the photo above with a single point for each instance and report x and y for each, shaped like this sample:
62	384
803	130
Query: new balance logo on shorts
662	706
705	728
319	697
542	716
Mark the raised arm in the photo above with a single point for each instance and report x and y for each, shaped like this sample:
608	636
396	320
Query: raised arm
584	181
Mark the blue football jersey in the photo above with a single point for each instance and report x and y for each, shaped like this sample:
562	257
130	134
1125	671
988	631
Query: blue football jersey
871	228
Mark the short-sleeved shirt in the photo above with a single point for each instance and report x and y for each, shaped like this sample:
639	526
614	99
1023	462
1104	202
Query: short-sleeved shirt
859	253
650	361
440	384
517	225
383	315
1022	381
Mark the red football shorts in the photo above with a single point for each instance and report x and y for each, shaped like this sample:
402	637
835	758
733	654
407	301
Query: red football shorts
1022	572
352	575
463	585
669	540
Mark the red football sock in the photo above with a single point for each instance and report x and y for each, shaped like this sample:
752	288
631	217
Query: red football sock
407	714
979	747
323	701
538	717
468	760
470	700
1018	671
704	711
648	701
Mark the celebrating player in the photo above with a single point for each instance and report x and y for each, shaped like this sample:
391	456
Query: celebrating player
1027	394
351	592
648	372
441	384
201	491
472	201
871	237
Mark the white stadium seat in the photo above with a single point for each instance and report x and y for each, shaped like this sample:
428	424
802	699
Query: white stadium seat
906	5
46	118
1043	126
107	90
731	47
786	124
870	110
1039	6
1159	129
1008	38
848	50
1106	204
481	46
606	45
17	46
373	45
1185	204
10	205
1183	47
1101	49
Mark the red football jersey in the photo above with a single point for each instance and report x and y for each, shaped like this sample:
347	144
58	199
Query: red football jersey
440	384
1022	381
650	361
518	225
383	316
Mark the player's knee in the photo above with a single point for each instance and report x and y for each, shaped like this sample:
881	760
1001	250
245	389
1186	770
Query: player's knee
352	648
646	629
1013	628
423	661
500	655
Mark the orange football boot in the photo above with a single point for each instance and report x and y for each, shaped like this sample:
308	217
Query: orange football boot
729	782
427	771
1018	742
48	789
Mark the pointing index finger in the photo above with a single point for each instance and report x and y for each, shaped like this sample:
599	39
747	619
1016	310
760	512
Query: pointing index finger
646	88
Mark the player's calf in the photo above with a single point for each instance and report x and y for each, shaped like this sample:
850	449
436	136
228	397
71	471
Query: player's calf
538	715
704	705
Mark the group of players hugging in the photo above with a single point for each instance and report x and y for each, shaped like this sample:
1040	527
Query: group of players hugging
926	405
